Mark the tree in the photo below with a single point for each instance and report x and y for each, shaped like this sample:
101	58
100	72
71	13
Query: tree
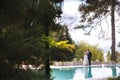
97	53
61	50
117	54
22	25
101	8
61	46
108	56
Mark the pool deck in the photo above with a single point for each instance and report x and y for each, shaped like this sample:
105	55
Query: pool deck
55	63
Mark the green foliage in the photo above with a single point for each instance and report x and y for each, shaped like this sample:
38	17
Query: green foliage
61	45
18	74
64	44
109	56
22	25
80	50
99	8
61	51
116	53
118	44
23	28
61	34
97	54
115	78
118	56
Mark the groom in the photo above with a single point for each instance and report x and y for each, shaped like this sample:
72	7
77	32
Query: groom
89	56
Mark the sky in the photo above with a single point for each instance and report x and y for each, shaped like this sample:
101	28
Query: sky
71	18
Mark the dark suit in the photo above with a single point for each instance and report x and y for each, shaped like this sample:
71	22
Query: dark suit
89	57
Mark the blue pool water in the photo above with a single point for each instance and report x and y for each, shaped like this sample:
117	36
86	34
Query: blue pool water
82	72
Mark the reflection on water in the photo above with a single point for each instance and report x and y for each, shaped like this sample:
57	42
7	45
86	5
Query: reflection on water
81	73
113	70
87	72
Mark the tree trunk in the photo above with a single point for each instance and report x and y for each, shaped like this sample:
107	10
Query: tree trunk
113	56
47	60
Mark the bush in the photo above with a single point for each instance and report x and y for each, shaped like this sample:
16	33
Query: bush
115	78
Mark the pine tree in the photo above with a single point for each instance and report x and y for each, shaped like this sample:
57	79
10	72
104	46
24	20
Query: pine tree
101	8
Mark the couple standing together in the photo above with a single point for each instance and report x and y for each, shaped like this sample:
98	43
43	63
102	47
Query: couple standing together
87	58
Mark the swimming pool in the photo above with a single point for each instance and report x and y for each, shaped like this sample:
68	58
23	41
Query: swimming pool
84	72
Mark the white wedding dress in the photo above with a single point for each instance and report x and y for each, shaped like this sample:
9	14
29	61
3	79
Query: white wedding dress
85	60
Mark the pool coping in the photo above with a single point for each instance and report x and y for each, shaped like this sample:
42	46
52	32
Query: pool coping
77	66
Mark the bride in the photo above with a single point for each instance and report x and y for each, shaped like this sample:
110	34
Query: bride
85	60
